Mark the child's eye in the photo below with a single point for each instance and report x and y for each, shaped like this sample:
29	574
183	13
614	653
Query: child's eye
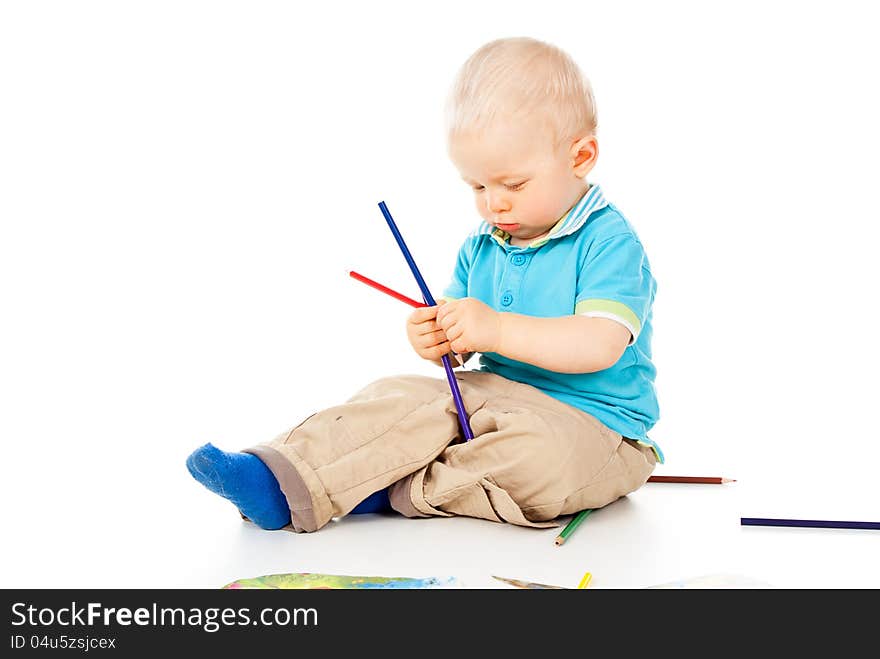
516	186
477	188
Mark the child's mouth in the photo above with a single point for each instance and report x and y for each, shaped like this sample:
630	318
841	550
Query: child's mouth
507	227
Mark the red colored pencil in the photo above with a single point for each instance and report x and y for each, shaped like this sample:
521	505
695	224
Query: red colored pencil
385	289
707	480
399	296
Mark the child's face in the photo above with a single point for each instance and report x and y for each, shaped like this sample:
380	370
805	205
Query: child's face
521	183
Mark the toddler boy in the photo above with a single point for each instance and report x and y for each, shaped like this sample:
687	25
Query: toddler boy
554	291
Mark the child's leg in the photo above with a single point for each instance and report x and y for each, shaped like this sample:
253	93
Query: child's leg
342	459
532	459
244	480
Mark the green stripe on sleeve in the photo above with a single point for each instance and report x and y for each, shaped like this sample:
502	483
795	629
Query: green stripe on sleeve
611	308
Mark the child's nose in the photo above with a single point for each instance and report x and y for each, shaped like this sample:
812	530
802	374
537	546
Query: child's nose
497	202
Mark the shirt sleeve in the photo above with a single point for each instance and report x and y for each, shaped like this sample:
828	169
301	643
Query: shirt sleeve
615	282
458	286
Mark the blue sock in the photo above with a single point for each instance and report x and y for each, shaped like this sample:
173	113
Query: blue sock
243	479
248	483
377	502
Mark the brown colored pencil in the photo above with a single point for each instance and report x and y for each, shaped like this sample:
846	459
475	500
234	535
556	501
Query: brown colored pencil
707	480
519	583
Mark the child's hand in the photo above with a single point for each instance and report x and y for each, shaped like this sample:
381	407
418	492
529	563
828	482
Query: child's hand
470	325
425	335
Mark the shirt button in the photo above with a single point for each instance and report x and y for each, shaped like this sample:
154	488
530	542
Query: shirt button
519	259
506	299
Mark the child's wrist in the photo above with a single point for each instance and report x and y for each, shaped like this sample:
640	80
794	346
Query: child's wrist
501	320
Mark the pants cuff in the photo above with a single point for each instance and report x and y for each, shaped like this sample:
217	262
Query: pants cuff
406	497
299	499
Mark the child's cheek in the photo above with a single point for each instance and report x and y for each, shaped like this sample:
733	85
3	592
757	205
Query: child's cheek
535	207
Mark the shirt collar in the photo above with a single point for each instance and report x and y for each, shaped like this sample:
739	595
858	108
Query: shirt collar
592	201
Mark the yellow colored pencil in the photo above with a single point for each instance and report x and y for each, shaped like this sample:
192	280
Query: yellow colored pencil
586	580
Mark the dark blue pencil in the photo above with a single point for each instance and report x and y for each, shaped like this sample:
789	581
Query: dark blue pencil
429	300
814	523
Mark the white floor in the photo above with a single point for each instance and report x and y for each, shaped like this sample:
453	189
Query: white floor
141	532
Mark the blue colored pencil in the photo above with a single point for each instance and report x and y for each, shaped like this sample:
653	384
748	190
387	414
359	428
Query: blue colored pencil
814	523
429	300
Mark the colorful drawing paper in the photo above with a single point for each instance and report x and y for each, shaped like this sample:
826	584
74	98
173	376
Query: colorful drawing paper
306	580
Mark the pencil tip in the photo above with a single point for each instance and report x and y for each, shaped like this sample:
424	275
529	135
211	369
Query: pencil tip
559	541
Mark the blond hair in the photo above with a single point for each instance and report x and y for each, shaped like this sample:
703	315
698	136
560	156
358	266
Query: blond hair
521	78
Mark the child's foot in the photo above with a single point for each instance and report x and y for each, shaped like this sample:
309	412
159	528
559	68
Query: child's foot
377	502
243	479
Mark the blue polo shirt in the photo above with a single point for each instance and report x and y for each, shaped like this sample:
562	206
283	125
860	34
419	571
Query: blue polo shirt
593	264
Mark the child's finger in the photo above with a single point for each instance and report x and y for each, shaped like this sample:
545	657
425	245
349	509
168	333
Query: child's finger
443	309
421	314
433	338
459	347
441	349
428	327
447	320
454	332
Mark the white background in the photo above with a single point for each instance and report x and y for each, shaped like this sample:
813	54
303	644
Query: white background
184	187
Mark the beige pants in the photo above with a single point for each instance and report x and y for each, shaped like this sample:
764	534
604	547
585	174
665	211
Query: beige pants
532	457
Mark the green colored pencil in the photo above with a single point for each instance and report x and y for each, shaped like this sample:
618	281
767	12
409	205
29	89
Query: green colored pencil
572	525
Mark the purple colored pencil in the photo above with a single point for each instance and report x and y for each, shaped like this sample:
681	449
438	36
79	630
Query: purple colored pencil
429	300
813	523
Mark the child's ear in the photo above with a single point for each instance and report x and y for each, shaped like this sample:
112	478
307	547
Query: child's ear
584	153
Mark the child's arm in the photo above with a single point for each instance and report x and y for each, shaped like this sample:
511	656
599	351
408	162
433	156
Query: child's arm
570	344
